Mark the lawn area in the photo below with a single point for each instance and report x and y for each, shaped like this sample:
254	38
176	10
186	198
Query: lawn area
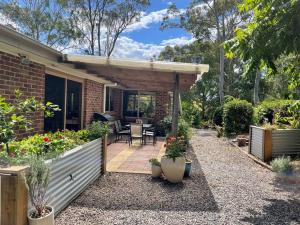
226	187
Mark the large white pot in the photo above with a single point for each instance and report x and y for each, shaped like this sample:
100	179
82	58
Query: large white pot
47	220
173	170
156	171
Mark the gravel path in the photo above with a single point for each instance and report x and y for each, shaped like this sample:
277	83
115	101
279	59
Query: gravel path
226	187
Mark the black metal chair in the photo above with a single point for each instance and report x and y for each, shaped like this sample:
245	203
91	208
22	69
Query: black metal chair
120	132
150	132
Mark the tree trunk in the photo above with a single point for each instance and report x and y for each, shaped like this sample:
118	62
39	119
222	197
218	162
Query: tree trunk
256	87
221	77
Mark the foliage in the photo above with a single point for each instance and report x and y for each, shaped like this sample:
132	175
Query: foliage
175	148
164	126
184	130
218	116
46	21
17	115
269	126
281	164
295	111
37	180
274	31
238	116
97	130
267	110
154	162
103	21
191	111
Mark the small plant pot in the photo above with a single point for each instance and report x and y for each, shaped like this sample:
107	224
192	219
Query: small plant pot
173	169
156	171
47	220
188	168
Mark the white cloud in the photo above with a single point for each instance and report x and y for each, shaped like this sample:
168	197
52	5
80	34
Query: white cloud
146	20
129	48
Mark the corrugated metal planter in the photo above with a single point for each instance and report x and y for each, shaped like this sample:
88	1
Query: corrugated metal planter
266	144
72	172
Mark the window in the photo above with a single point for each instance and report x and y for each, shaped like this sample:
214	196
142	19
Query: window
139	104
109	100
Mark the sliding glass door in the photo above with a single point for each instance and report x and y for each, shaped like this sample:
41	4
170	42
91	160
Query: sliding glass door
138	104
67	94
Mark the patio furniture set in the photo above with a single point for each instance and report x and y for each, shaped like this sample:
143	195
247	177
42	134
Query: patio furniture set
138	130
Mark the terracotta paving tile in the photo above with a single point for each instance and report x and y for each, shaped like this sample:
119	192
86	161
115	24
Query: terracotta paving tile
133	159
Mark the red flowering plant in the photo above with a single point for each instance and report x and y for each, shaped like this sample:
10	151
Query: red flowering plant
171	139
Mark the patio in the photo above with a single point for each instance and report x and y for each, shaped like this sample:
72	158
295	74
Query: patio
133	159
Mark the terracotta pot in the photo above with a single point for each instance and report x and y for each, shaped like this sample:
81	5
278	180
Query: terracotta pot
47	220
156	171
173	170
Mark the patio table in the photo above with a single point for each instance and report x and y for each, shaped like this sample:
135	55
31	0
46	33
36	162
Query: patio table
145	125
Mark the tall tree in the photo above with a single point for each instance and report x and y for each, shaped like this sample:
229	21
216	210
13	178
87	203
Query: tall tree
103	21
44	20
273	32
209	20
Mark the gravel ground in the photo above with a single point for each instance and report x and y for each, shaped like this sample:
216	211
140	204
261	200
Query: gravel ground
226	187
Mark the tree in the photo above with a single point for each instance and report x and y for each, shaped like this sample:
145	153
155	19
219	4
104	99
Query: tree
103	21
209	20
273	32
44	20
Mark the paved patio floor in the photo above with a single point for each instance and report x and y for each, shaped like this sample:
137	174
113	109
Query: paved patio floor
135	158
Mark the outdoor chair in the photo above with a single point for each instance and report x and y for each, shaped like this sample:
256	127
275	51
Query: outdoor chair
150	133
136	132
120	132
139	121
120	126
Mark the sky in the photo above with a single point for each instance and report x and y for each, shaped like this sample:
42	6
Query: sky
144	39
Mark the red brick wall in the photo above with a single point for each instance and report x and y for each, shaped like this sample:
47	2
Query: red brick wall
93	100
29	79
162	105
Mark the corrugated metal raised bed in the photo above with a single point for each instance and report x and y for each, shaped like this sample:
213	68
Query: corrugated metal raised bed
72	172
266	144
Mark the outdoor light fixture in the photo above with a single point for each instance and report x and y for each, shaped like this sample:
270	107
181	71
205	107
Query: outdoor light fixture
24	59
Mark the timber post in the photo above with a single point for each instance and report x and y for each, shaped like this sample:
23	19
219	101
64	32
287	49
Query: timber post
175	105
14	196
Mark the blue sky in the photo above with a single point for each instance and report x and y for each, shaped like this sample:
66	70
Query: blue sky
144	39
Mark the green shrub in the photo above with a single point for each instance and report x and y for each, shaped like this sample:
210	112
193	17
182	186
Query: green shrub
238	116
267	110
97	130
184	130
218	116
197	120
281	164
164	126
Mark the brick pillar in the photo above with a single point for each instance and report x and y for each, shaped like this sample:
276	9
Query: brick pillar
162	105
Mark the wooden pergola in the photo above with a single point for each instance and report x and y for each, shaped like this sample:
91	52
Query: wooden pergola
143	75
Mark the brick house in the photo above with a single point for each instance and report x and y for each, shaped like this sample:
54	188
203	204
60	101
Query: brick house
84	85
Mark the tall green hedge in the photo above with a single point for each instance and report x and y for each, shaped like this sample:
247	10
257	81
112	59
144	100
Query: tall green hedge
238	116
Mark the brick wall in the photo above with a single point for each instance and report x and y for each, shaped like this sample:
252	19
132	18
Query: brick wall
162	105
93	100
29	79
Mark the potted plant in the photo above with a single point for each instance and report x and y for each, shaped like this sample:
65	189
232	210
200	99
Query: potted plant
188	168
173	163
155	168
37	179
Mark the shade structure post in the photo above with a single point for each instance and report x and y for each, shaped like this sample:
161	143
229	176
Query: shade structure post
175	106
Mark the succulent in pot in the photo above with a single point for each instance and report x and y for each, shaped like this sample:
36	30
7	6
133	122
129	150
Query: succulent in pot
173	163
155	168
37	180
